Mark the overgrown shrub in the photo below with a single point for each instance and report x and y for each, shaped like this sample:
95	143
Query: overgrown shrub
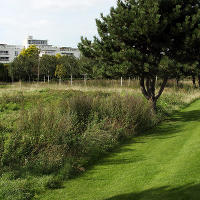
58	133
11	102
17	98
80	126
60	139
20	189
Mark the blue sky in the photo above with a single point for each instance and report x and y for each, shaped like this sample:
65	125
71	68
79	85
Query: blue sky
62	22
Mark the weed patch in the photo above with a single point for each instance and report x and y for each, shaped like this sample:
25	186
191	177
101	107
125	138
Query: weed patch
57	134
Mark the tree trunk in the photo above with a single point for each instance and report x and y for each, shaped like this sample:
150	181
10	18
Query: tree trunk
48	76
71	80
38	70
129	81
85	79
177	81
199	79
20	83
148	90
154	102
194	80
12	78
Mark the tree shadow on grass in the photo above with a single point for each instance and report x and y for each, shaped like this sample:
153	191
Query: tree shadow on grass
169	129
172	127
186	192
188	116
166	130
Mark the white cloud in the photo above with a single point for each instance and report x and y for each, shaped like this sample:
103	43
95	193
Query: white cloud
42	22
22	23
63	4
61	21
4	21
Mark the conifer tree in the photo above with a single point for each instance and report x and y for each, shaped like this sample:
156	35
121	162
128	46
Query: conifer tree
144	37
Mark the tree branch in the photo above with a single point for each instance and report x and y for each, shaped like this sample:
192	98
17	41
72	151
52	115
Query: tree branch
144	92
152	83
162	87
148	87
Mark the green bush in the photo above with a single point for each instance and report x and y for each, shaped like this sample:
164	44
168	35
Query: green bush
54	183
60	139
12	102
17	98
80	126
20	189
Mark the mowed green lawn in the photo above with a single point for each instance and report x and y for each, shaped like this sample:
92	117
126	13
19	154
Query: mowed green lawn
162	164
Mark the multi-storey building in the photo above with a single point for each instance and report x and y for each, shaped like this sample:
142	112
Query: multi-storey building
9	52
45	48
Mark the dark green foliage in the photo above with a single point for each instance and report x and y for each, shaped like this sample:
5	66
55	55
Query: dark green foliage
28	66
48	65
16	190
163	165
4	76
57	134
93	69
143	38
25	66
16	69
61	142
82	126
11	102
70	63
54	183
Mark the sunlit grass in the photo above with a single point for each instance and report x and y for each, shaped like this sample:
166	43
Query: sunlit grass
187	91
162	165
16	97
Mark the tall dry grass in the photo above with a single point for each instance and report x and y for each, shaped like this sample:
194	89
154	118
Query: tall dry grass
58	139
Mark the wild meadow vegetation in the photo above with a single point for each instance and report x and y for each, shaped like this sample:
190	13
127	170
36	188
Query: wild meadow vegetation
163	163
52	133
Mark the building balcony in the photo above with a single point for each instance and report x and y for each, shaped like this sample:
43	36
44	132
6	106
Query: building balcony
4	58
4	54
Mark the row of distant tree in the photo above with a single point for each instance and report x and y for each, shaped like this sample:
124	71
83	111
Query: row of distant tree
28	66
144	39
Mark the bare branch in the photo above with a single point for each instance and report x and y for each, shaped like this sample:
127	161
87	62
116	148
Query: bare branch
162	87
144	92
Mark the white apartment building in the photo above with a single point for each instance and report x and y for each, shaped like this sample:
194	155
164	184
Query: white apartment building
9	52
45	48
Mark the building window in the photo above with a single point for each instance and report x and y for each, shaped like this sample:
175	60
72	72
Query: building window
69	54
3	52
4	58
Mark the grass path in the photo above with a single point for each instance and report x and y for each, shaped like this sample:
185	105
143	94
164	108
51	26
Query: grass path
163	164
